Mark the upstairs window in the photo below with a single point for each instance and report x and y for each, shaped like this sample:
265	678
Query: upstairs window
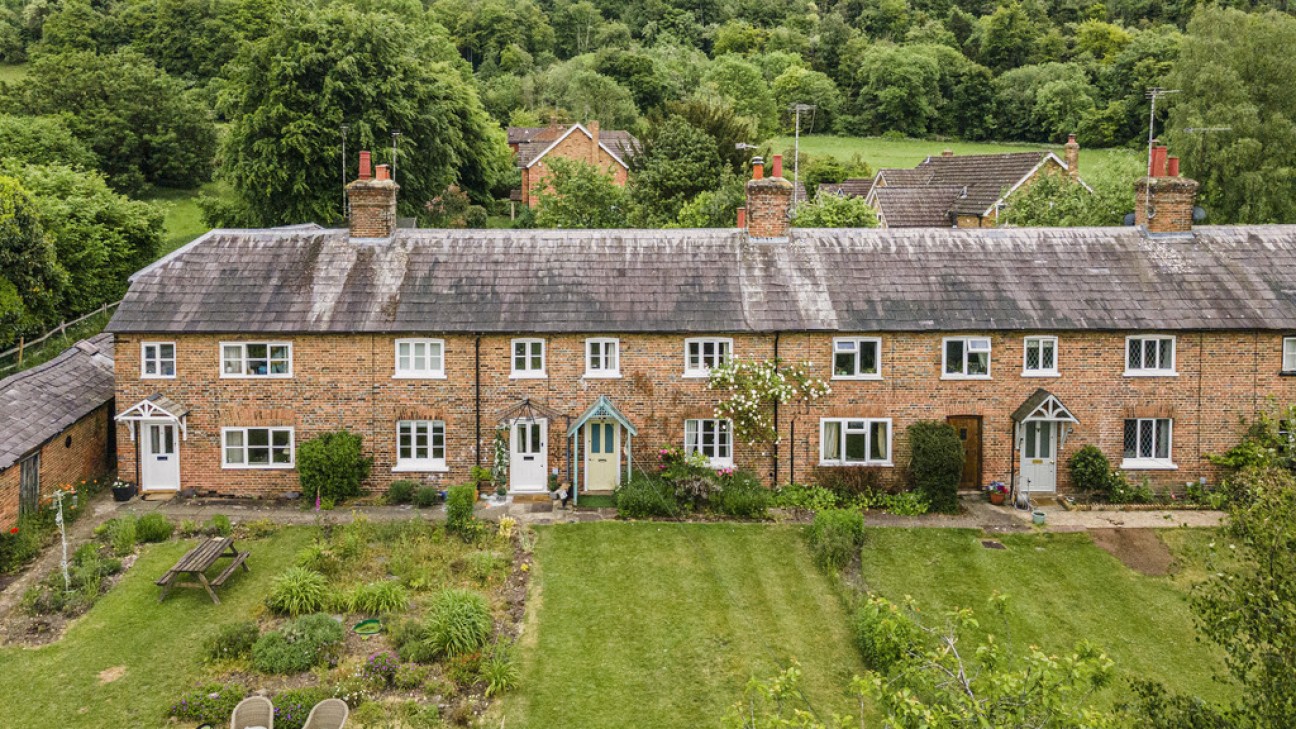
700	355
857	359
420	445
1147	443
157	360
1289	355
258	447
1040	357
256	359
420	358
1149	356
711	438
528	358
846	442
602	358
967	358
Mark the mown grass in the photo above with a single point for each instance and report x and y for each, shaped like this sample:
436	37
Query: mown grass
183	218
1061	589
158	644
662	625
879	152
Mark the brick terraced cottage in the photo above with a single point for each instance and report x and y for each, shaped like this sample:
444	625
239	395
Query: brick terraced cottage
609	152
590	348
55	426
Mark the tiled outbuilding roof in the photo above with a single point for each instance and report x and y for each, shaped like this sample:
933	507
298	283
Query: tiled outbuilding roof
855	280
917	207
981	180
39	403
853	187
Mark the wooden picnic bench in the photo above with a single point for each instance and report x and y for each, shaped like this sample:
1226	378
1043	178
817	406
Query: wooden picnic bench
198	560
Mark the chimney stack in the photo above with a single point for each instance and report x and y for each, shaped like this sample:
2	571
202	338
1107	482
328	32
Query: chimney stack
1164	201
372	201
768	201
947	153
742	217
1072	157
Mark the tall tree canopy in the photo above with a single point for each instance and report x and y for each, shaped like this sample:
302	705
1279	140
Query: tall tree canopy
31	281
289	93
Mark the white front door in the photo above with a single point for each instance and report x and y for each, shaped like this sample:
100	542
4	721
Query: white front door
528	455
602	455
159	457
1039	456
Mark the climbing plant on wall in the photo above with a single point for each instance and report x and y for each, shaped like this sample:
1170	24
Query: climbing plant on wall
754	386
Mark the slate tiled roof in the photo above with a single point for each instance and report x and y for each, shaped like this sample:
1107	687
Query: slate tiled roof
853	187
533	141
917	207
39	403
986	176
898	177
627	281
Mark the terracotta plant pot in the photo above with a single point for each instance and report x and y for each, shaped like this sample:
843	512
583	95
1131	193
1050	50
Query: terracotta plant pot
997	498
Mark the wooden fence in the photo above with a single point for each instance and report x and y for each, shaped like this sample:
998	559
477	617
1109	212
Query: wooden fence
24	346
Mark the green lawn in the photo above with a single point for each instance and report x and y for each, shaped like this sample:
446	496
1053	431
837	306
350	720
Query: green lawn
13	72
158	644
879	152
183	218
661	625
1062	589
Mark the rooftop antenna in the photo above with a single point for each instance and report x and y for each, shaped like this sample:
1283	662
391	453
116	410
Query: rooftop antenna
345	127
395	138
1152	93
796	145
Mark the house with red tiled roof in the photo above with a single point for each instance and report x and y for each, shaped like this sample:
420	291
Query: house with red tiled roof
609	151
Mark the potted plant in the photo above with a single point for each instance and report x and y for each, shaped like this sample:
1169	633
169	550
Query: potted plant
122	490
998	492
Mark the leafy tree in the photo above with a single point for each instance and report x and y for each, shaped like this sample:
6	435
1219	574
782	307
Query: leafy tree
737	36
42	140
638	73
1007	37
966	105
31	281
716	208
835	211
142	124
579	195
333	466
76	26
583	93
288	94
482	29
1144	63
99	237
1231	76
577	25
829	169
774	63
1027	111
678	162
716	117
935	463
799	85
1103	41
194	39
899	90
1053	200
742	83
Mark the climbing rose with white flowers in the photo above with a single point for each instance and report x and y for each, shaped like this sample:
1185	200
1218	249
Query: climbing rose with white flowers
755	387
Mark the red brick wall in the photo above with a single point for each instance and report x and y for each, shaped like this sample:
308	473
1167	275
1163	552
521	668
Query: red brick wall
577	146
62	461
346	381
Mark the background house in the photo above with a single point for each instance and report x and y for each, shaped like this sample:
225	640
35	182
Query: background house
55	426
607	150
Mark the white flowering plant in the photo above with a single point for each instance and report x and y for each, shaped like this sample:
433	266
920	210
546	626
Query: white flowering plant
754	387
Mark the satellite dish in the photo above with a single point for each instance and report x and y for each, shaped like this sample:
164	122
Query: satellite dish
1129	218
1199	213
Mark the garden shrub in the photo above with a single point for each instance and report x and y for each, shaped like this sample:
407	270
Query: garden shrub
401	492
220	525
459	507
499	671
936	463
836	536
211	703
885	635
426	497
293	707
643	496
464	669
20	545
262	528
153	527
482	566
409	676
905	503
379	597
409	637
741	495
690	477
1090	471
381	668
320	558
298	591
333	465
458	622
188	527
848	483
302	644
233	640
804	498
87	571
123	536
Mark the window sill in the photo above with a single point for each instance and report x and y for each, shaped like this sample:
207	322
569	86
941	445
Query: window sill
858	378
866	464
157	377
1151	373
528	376
419	376
1147	464
246	467
420	467
1052	373
602	375
696	374
1287	373
965	377
256	377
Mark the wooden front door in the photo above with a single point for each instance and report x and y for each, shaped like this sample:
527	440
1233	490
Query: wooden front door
602	455
968	428
29	485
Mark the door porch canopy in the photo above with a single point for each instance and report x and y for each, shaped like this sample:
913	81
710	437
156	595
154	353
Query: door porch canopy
1043	405
156	407
602	409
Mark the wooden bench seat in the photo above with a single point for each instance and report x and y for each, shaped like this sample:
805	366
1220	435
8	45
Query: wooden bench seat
233	565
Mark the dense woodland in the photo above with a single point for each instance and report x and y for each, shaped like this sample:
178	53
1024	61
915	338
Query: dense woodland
121	96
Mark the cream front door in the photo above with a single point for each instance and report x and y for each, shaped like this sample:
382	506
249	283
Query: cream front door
1039	456
602	455
529	456
159	457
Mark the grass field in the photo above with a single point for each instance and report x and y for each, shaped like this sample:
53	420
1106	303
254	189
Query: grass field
183	217
1061	589
879	152
13	72
159	645
661	625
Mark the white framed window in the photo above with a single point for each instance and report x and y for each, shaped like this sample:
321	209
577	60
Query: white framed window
1040	357
966	358
420	445
857	358
1149	356
855	442
700	355
256	359
420	359
157	360
712	438
1289	355
257	448
528	358
1147	443
602	357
